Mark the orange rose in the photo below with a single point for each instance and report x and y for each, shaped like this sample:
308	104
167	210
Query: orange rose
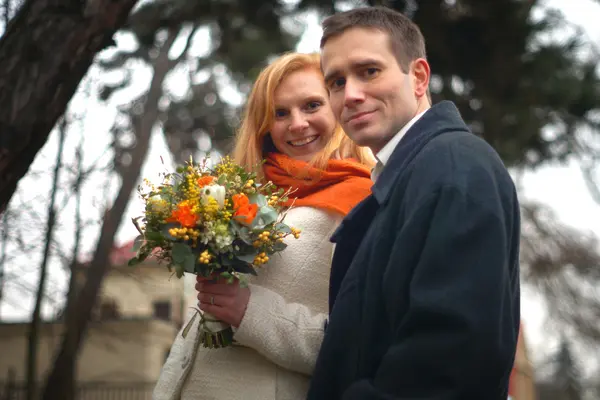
246	213
239	200
205	181
183	214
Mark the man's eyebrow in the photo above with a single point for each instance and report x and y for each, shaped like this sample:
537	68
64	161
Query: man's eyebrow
331	75
365	63
354	65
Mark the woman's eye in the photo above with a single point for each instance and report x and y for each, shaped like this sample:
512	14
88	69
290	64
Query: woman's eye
280	113
313	105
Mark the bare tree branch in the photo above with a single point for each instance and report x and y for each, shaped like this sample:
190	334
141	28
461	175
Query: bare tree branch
563	263
33	337
72	288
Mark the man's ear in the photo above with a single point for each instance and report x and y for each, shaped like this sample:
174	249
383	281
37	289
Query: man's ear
421	74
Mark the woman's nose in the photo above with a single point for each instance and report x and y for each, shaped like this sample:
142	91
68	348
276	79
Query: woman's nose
298	123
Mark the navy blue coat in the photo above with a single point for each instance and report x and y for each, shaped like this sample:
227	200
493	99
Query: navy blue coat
424	291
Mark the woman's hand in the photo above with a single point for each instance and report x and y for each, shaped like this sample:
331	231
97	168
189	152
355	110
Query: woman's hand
225	301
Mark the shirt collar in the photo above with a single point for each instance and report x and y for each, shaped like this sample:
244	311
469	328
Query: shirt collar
385	153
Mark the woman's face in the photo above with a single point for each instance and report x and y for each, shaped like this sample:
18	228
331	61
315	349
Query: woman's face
303	121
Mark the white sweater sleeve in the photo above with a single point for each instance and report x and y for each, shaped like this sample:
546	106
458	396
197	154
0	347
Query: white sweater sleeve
288	334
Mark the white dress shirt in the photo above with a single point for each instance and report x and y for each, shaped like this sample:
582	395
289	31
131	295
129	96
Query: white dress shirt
386	152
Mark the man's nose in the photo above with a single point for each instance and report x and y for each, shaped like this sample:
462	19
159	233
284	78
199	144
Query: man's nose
298	123
353	93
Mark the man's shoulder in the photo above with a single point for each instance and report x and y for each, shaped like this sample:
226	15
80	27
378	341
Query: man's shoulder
460	143
457	152
459	160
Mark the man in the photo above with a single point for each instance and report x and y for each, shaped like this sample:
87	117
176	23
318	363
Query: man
424	291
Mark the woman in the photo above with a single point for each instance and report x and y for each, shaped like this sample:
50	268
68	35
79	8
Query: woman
279	318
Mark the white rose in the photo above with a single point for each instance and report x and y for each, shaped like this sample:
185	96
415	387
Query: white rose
217	192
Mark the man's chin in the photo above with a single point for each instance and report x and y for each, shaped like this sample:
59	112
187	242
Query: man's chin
363	139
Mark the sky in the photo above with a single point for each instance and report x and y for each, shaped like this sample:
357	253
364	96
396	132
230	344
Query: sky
560	186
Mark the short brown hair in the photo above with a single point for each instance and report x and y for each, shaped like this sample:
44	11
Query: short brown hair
406	39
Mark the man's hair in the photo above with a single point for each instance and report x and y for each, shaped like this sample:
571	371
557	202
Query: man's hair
406	40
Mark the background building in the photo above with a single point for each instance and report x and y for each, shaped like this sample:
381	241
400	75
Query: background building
139	312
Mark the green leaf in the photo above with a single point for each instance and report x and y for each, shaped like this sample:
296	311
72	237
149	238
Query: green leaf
187	328
137	243
226	275
241	231
259	199
245	268
243	247
243	281
155	236
180	251
239	264
133	261
279	246
266	215
165	231
247	258
189	264
144	252
283	228
178	270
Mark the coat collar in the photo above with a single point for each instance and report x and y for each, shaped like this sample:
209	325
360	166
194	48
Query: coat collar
357	219
441	118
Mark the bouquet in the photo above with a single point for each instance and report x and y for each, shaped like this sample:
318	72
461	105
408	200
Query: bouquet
212	221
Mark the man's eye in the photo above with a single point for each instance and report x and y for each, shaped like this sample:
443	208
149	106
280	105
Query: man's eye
338	83
371	71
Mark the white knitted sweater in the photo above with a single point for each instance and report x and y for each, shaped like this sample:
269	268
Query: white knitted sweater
280	335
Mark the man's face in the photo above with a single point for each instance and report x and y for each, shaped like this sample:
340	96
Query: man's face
370	95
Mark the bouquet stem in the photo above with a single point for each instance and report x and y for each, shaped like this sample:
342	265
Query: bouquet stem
214	334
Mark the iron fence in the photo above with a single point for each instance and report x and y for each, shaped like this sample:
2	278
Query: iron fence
89	391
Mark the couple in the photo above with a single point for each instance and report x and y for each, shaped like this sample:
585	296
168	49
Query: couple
419	298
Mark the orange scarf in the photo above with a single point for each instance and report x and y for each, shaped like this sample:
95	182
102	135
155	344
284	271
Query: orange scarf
339	187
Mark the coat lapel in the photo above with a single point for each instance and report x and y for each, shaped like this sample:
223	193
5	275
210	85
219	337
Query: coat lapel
439	119
348	237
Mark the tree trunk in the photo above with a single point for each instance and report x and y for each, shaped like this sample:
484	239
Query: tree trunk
73	289
46	50
61	377
3	252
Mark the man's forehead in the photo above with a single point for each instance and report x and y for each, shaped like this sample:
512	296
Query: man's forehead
344	51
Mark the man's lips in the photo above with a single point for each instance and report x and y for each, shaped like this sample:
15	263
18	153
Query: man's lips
359	116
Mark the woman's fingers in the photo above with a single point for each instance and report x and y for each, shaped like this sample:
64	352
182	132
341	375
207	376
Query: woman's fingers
229	289
215	299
